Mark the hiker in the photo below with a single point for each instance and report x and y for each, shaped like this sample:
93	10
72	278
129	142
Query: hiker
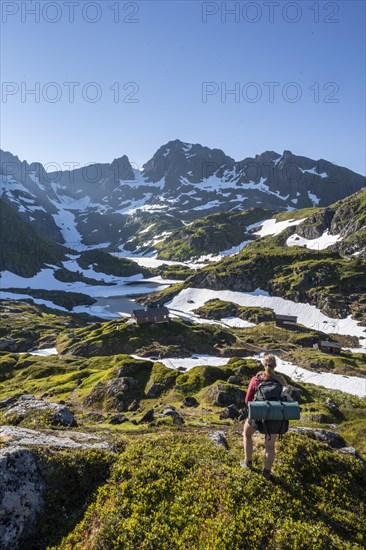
250	426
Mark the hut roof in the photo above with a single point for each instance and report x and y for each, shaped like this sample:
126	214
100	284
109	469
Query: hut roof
150	312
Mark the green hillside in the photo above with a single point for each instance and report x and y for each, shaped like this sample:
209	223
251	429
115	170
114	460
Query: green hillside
210	235
24	251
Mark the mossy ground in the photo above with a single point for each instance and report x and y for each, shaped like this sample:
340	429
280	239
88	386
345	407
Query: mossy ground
177	491
176	338
31	326
219	309
169	487
210	235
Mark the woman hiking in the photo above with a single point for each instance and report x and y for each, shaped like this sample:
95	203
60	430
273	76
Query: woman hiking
250	426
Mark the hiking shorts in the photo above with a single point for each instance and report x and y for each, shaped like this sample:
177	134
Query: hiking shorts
256	425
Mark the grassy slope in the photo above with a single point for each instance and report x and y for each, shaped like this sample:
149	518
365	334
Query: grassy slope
31	326
173	339
210	235
171	486
218	309
176	491
102	262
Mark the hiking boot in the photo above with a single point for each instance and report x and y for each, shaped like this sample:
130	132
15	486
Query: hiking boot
267	474
246	464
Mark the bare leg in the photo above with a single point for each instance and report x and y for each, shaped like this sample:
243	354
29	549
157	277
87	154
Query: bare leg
247	440
270	451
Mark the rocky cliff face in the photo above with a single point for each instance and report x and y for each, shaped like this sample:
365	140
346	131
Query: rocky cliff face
346	218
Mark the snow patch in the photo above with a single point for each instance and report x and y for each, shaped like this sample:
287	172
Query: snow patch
273	227
307	315
321	243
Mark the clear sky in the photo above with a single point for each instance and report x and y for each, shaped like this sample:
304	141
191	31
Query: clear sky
297	70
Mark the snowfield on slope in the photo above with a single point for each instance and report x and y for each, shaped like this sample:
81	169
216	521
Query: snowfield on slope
273	227
308	315
321	243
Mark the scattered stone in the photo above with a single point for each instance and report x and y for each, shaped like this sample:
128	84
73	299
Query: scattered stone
4	403
234	380
135	405
27	405
118	419
8	344
96	417
320	418
148	417
170	411
333	439
219	439
231	411
156	390
333	407
349	451
296	393
190	401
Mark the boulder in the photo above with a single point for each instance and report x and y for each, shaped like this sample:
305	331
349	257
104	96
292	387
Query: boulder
114	394
333	407
333	439
118	419
5	403
148	417
121	385
155	390
14	436
234	380
190	401
27	405
8	344
223	395
219	439
135	405
231	411
170	411
21	495
296	393
349	451
22	486
320	418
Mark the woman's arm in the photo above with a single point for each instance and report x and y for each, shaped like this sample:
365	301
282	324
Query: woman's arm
251	390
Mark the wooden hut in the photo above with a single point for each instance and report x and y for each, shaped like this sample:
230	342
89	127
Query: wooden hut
328	347
286	321
150	315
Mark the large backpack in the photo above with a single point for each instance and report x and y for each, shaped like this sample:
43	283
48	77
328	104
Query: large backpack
271	390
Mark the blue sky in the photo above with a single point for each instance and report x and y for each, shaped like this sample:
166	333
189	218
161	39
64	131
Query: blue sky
169	51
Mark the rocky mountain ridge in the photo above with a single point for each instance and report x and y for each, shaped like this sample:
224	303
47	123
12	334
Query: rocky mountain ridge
97	204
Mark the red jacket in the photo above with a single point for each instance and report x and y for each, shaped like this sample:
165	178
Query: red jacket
253	385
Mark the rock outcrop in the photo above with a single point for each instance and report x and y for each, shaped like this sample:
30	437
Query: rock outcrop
22	485
28	405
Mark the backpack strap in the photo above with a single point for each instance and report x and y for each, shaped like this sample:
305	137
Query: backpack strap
265	425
